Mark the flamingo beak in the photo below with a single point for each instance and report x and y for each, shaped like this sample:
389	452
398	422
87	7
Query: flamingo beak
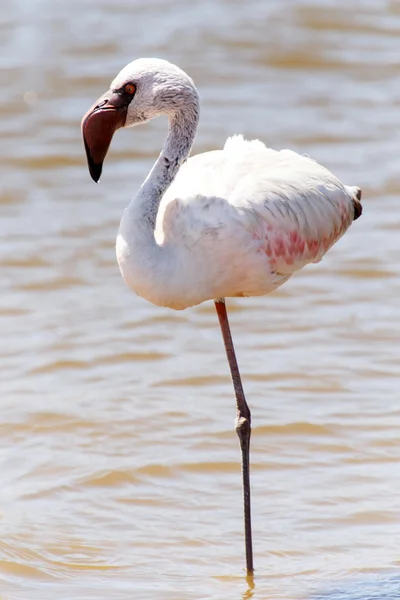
98	127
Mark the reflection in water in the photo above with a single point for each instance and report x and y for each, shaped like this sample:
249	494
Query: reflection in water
118	454
249	593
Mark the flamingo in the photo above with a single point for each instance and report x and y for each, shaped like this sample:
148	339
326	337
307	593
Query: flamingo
226	223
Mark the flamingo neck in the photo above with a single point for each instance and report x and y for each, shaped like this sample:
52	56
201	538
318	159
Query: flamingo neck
181	134
145	265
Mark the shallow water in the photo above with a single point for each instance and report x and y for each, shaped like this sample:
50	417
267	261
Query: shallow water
119	462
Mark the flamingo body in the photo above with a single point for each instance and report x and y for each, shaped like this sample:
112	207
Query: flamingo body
238	222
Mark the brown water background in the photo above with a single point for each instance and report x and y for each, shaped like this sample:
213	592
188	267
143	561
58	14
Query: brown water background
119	464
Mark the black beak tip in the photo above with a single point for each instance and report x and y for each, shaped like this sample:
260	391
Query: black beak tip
95	171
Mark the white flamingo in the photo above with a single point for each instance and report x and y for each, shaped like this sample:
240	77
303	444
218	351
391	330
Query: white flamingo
233	222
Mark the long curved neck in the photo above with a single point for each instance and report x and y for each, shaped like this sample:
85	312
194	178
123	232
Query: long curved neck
181	134
145	265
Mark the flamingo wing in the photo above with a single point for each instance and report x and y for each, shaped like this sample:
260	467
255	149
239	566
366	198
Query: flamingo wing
295	207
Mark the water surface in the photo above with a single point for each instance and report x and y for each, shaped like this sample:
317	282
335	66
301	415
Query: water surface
118	459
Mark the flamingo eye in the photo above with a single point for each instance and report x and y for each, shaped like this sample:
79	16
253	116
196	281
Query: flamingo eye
130	89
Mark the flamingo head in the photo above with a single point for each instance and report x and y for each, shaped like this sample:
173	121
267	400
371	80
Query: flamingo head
144	89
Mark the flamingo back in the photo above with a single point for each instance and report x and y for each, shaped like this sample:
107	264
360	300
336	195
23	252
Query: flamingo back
247	217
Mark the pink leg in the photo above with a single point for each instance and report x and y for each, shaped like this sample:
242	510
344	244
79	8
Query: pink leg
243	427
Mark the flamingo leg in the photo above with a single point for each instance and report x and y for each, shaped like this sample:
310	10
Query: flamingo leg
243	427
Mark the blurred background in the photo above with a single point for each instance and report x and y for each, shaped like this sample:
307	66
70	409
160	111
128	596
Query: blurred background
119	464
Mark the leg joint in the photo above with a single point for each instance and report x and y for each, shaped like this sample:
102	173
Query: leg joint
243	429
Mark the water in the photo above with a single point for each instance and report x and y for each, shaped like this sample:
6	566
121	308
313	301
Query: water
119	463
